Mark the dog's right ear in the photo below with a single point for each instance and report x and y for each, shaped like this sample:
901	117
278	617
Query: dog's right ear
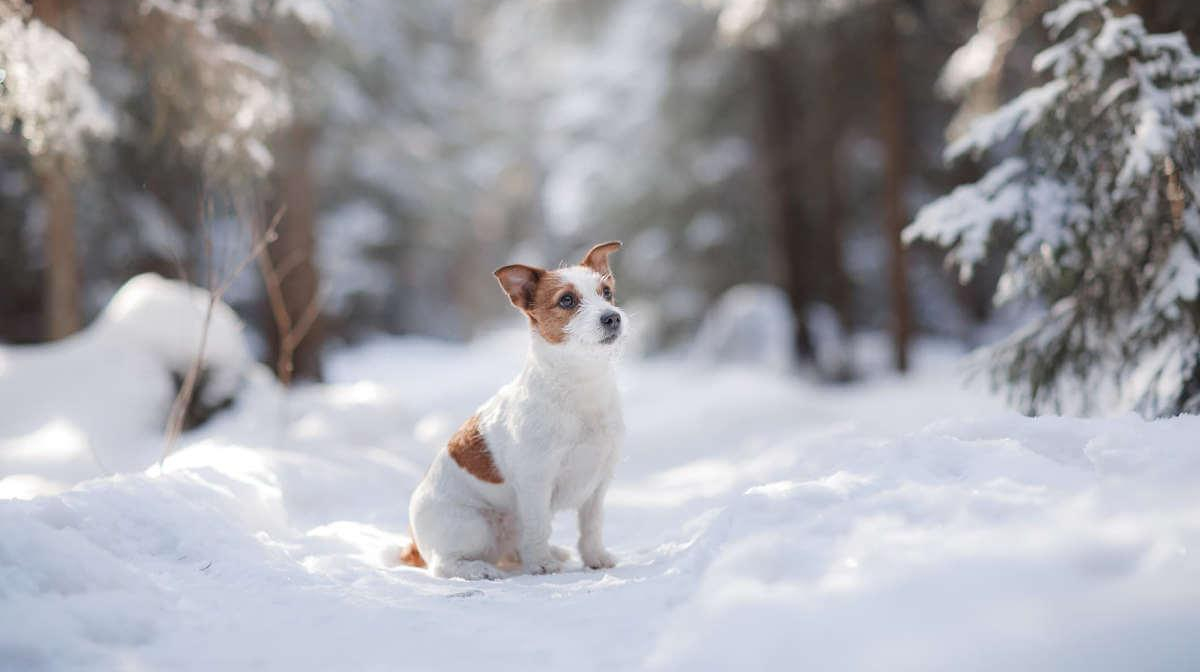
519	282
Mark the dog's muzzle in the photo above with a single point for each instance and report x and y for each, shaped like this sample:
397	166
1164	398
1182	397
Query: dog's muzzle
611	323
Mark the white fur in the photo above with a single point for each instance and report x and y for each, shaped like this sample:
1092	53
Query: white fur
554	434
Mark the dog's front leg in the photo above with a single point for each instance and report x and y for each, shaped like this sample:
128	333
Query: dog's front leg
591	533
533	507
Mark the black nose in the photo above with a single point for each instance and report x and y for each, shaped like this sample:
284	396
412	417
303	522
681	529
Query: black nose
611	321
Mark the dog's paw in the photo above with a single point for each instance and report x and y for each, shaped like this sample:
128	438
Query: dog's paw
483	572
599	559
561	554
546	565
471	570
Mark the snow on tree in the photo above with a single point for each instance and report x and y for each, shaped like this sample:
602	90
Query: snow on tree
51	99
48	88
1096	208
760	23
221	95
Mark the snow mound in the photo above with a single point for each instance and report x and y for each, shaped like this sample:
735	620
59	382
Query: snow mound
1013	544
748	324
96	403
165	318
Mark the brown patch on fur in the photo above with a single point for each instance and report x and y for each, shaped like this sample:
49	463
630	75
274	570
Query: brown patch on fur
597	258
519	282
470	452
411	556
549	318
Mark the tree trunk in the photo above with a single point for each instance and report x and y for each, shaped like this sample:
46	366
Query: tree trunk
892	131
60	304
50	12
781	141
296	349
833	271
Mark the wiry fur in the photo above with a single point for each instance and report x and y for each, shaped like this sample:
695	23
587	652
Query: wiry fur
553	435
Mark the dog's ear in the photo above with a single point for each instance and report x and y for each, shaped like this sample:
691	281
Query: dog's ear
597	257
519	282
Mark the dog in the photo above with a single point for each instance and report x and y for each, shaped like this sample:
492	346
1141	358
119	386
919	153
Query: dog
546	442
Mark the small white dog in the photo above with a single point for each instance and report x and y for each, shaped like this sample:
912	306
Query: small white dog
547	441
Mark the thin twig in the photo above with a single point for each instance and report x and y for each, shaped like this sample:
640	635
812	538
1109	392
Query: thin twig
289	332
291	340
215	293
256	252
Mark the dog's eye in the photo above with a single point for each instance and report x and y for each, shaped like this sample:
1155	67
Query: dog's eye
567	301
607	294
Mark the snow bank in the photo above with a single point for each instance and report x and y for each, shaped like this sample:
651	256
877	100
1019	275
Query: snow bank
982	545
96	403
761	522
165	319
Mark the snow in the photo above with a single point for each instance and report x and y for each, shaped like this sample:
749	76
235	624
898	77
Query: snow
351	232
96	403
902	523
47	88
1151	140
164	319
967	65
246	95
1020	115
1059	19
707	230
963	219
313	14
760	23
1178	281
749	324
1098	156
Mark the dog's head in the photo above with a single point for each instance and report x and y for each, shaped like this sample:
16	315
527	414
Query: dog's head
573	307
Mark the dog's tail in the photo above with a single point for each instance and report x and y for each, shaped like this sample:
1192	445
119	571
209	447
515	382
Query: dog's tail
411	556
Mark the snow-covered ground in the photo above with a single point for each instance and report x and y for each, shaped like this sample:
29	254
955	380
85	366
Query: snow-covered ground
761	521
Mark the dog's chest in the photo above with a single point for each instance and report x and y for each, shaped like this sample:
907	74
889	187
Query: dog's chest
589	449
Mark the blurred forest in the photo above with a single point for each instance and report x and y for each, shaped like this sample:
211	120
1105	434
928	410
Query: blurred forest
406	149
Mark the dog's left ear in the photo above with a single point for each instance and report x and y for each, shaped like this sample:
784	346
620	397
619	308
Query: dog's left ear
519	282
597	257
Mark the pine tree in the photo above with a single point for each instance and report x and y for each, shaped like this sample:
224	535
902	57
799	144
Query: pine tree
1095	206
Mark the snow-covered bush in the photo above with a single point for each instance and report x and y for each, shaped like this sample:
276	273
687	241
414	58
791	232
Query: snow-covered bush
1096	208
751	324
98	402
165	319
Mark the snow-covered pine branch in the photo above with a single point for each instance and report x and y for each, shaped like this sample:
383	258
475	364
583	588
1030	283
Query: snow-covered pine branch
1096	209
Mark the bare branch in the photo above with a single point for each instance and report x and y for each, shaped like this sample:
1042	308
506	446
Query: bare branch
256	251
289	332
187	389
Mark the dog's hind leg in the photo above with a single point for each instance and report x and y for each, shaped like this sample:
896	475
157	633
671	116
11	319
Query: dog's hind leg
456	540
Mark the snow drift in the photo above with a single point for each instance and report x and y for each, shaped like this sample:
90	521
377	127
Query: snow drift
96	403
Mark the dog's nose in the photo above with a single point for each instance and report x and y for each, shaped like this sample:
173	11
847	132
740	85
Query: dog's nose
611	321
